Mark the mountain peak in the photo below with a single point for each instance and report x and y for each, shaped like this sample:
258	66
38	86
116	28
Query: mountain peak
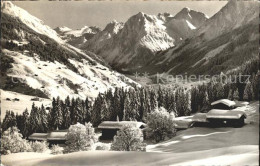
62	29
184	13
34	23
165	16
114	26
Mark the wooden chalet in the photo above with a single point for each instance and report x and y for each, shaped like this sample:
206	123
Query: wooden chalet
110	128
53	137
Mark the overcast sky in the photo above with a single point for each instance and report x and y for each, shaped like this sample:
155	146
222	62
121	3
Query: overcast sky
76	14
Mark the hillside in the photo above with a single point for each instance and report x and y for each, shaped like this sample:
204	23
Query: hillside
41	61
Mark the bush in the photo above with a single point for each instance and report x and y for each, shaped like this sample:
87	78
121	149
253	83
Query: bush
56	149
12	142
129	138
39	147
160	125
80	138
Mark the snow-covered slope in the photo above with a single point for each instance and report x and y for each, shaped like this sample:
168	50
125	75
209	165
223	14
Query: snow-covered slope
76	37
133	44
31	21
25	101
235	14
55	79
55	68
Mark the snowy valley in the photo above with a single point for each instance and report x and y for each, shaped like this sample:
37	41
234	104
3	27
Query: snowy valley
130	93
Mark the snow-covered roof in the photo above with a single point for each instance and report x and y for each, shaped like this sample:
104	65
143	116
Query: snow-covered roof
224	101
225	114
119	125
38	136
57	135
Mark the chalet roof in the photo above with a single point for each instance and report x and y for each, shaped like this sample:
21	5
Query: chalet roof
227	102
226	114
38	136
57	135
119	125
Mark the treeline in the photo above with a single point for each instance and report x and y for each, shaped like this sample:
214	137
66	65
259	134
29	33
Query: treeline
122	104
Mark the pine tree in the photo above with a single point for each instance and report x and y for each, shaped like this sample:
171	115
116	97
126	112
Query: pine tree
51	115
96	111
43	119
87	108
34	120
153	101
160	97
206	103
9	120
58	117
24	124
127	109
248	94
66	118
105	112
116	105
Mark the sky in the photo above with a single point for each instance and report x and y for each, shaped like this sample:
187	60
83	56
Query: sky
77	14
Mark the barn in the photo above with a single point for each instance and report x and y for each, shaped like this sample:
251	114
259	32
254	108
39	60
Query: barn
110	128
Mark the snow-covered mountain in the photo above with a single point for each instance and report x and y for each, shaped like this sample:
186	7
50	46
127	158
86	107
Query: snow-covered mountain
34	59
76	37
233	15
132	44
34	23
185	23
224	42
